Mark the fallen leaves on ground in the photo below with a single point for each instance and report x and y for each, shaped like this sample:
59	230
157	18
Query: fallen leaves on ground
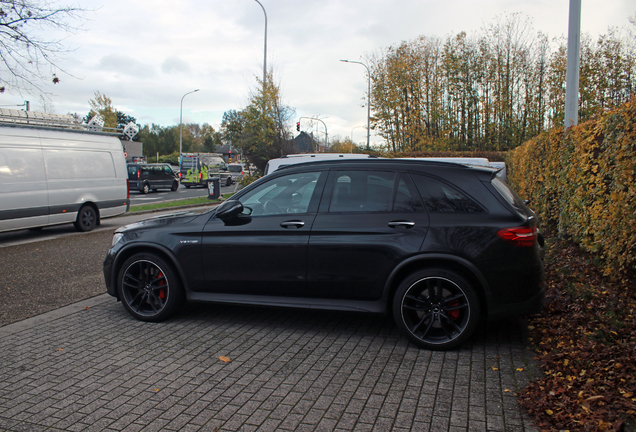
585	340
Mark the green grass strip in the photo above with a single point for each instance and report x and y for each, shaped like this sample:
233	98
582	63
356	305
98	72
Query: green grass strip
178	203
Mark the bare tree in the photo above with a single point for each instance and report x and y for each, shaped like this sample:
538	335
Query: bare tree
28	54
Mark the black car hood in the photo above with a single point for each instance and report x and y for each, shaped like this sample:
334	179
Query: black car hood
180	218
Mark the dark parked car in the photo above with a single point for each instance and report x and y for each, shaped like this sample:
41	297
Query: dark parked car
147	177
436	244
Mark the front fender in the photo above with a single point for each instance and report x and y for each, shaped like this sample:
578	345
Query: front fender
127	251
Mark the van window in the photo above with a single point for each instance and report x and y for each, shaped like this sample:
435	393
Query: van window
76	164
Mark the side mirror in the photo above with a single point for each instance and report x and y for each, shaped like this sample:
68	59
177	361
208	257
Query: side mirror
229	209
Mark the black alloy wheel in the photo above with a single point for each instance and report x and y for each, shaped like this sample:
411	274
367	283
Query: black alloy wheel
149	287
86	219
436	308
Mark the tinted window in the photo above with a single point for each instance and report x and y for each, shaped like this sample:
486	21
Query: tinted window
443	198
406	197
362	191
287	194
509	195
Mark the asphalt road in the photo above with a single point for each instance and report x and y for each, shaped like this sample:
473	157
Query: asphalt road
41	276
48	269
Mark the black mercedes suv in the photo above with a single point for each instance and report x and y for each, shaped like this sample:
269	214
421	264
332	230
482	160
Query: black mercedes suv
437	245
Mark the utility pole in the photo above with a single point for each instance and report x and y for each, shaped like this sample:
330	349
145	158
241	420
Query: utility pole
572	75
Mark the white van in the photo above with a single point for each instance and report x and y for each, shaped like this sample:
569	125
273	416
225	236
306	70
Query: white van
293	159
52	176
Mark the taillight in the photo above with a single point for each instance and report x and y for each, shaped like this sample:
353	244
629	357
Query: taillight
520	236
201	175
127	190
138	174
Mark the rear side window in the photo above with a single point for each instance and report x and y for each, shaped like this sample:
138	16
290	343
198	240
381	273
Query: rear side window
362	191
509	195
440	197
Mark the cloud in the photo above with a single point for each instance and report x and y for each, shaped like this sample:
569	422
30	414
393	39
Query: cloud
174	64
123	64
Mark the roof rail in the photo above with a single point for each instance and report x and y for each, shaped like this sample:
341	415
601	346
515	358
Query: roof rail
67	122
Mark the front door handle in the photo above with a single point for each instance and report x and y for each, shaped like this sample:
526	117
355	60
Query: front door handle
292	224
397	224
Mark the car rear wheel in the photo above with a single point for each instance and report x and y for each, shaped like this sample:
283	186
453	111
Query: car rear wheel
175	185
86	219
145	189
436	308
149	287
228	182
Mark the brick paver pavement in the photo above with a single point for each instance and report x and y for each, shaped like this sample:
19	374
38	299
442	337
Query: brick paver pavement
98	369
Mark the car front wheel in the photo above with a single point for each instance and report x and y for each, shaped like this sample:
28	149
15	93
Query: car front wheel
437	309
149	287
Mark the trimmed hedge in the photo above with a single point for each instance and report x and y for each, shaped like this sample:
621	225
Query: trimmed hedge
582	183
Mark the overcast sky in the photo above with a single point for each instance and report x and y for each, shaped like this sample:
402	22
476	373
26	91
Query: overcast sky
146	54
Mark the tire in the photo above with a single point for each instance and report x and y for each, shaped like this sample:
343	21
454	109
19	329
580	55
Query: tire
187	186
228	182
437	309
145	189
175	186
149	288
86	219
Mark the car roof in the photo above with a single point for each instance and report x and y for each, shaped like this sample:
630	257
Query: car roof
375	162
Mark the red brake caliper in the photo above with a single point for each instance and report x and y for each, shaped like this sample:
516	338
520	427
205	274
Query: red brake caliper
162	291
454	314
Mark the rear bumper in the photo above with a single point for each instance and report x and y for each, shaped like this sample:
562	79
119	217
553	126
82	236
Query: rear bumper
533	305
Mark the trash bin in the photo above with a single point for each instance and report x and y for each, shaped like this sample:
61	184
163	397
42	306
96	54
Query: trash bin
214	188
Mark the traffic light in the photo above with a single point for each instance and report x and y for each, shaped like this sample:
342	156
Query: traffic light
298	126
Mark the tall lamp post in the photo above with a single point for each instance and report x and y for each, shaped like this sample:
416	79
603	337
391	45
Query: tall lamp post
368	98
265	47
181	124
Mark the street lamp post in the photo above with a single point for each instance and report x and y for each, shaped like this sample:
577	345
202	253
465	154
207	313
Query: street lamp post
181	124
368	98
265	47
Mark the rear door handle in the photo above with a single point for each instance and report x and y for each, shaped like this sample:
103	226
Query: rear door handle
406	224
292	224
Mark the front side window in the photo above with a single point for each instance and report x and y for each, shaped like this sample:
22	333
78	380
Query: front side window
440	197
362	191
287	194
